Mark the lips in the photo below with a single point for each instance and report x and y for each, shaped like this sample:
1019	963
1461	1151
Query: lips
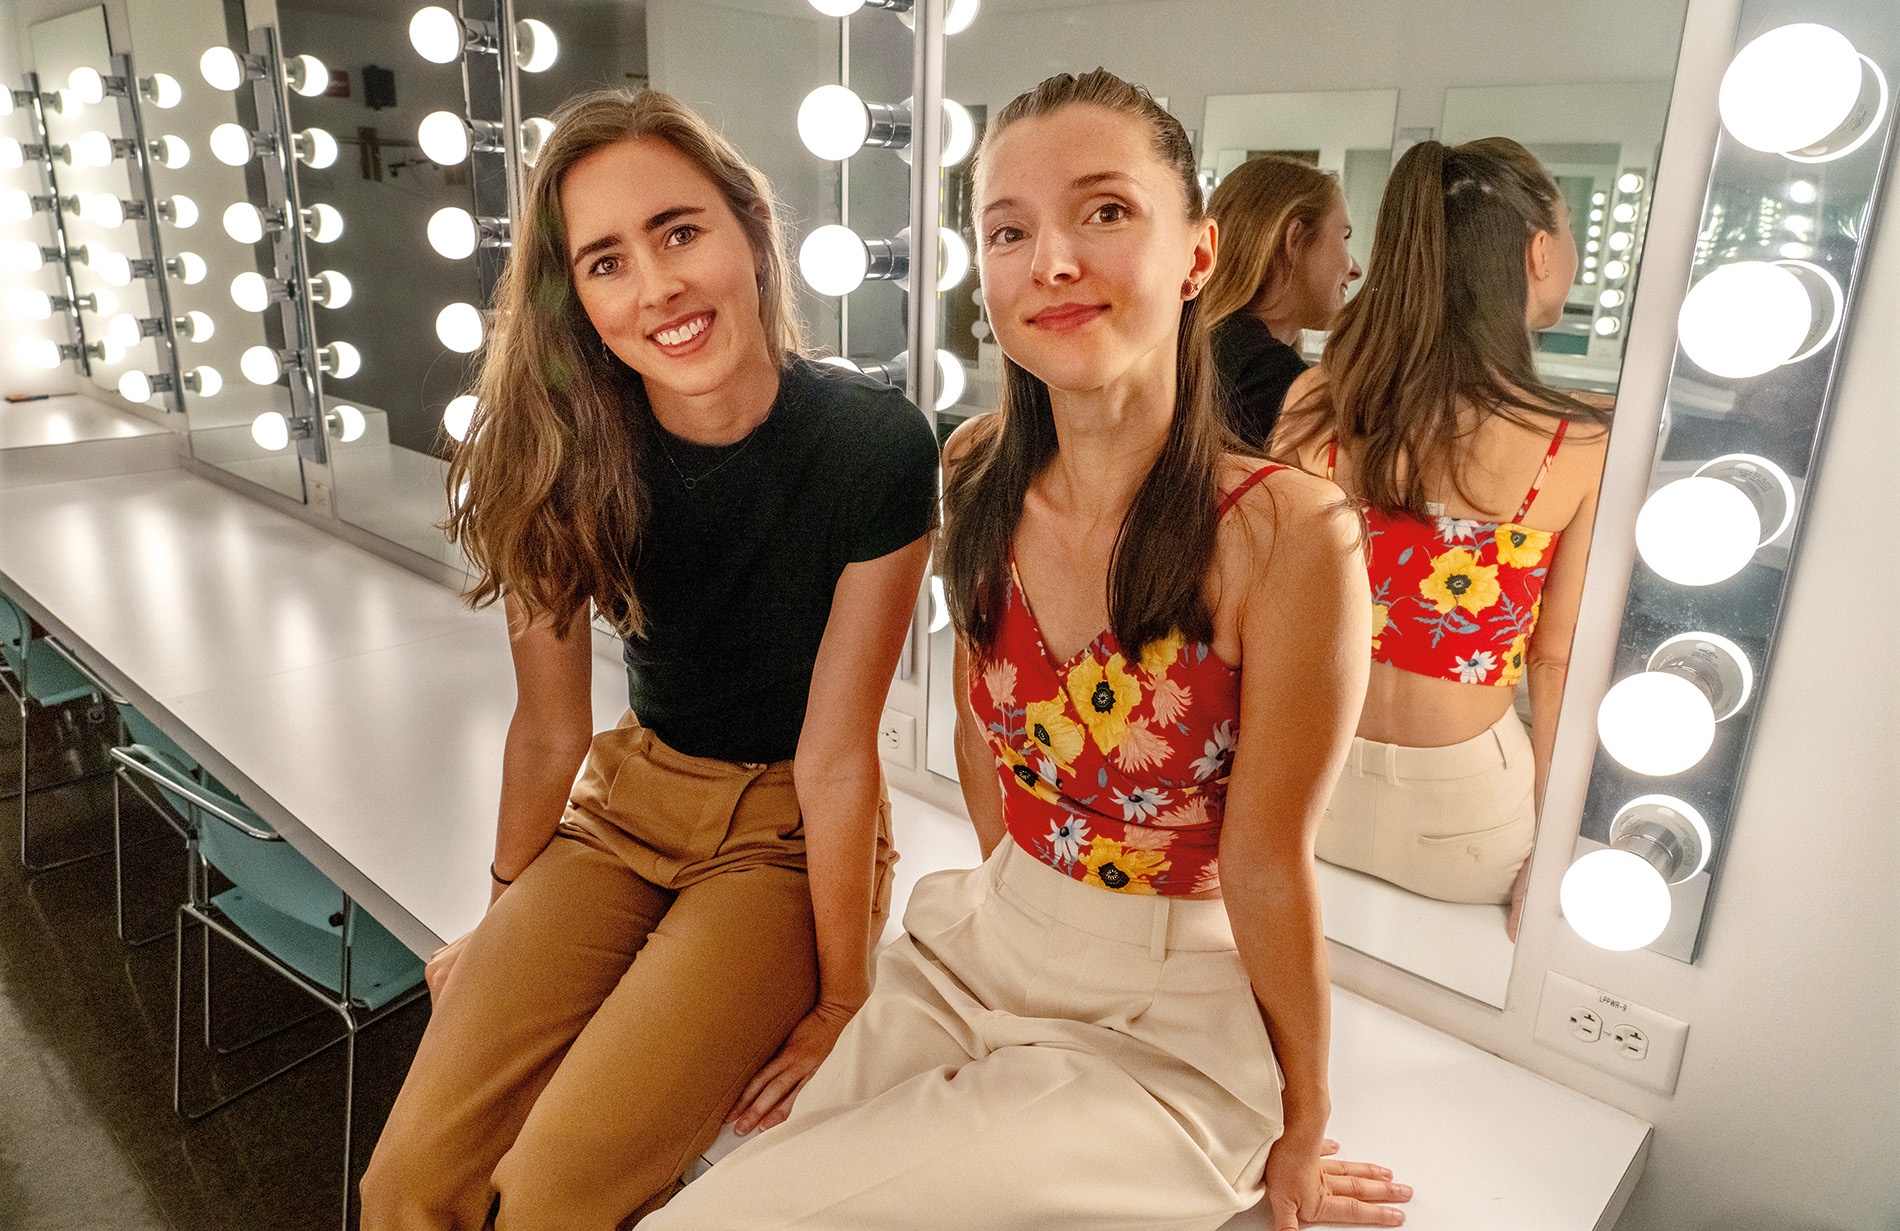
1064	317
682	335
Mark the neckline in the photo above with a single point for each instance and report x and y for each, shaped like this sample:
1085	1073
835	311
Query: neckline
1106	636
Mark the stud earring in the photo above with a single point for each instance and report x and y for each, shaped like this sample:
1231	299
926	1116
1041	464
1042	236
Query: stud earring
1190	288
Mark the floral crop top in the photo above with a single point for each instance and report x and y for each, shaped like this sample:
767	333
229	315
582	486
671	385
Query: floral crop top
1454	598
1114	771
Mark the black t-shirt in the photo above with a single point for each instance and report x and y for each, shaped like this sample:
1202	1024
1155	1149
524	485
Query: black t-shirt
1256	370
735	575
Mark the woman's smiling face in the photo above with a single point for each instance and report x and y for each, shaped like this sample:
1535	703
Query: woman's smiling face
1084	244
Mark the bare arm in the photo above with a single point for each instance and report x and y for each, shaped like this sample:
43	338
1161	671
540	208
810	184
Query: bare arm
976	774
548	737
1549	652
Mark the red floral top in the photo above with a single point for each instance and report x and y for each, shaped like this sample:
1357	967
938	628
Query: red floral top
1114	770
1455	598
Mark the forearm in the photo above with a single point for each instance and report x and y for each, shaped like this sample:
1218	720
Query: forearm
1273	903
537	772
840	805
976	774
1547	695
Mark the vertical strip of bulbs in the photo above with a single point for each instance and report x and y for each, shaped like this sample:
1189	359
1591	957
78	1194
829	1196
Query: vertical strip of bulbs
45	154
1612	249
138	162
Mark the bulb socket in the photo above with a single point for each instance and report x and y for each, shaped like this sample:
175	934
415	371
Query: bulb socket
1715	665
1665	833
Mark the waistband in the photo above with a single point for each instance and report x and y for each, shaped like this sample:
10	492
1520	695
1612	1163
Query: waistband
1500	746
666	756
1154	922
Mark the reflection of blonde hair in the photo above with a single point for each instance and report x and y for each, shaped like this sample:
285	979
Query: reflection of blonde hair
1256	205
554	508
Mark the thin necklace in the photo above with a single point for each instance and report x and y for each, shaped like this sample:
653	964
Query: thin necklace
692	481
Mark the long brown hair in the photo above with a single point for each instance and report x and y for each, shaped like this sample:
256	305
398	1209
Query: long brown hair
1165	546
1440	323
544	494
1256	206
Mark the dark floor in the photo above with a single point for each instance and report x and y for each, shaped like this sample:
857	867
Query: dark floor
88	1137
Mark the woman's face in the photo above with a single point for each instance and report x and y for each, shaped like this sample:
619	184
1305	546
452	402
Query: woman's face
1084	245
1551	267
1324	268
662	267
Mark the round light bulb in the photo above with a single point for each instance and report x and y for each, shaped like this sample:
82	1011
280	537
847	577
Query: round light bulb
1801	192
1655	723
261	366
135	386
23	255
839	361
337	289
325	224
31	305
536	48
244	222
1796	250
833	260
92	149
436	34
452	232
535	131
1790	87
191	268
250	292
443	137
221	68
457	415
459	326
103	209
939	606
12	153
210	381
16	205
6	100
164	91
833	122
345	360
954	259
959	133
961	14
1594	232
1615	270
1624	212
1615	900
837	8
1611	298
172	152
271	431
307	75
105	304
318	148
1698	531
350	422
112	267
89	88
949	380
1592	246
199	327
1629	182
1620	241
114	353
1744	319
42	352
123	329
1606	325
231	144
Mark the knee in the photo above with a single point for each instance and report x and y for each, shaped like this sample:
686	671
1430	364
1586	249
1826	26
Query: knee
396	1193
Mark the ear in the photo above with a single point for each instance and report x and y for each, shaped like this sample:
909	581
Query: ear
1206	246
1293	238
1537	257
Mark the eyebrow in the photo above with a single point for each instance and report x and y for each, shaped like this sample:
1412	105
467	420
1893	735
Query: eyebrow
661	219
1090	180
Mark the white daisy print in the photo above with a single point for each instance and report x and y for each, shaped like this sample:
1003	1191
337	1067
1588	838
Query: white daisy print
1458	529
1217	749
1067	838
1473	670
1142	803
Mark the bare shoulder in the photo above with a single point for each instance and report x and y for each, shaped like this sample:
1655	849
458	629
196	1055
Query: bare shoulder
967	435
1309	381
1289	517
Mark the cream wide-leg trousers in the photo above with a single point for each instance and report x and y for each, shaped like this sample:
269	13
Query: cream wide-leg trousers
1038	1054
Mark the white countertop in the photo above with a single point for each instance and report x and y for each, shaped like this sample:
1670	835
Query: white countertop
67	419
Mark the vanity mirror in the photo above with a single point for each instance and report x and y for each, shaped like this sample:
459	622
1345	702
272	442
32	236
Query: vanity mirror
1351	97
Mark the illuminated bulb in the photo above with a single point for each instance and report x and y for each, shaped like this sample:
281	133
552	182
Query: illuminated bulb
839	361
1592	246
457	415
939	606
536	48
250	292
1801	192
102	209
350	422
89	88
1624	212
1597	198
1619	241
191	268
112	267
954	263
837	8
164	91
1629	182
341	360
316	148
323	223
459	326
172	152
114	354
261	366
443	137
961	14
1594	232
6	100
1611	298
336	289
1589	262
92	149
949	380
1656	723
833	260
306	75
1615	900
135	386
231	144
1606	325
12	155
65	102
244	222
199	327
960	132
42	352
32	305
105	304
436	34
17	206
1615	270
833	122
1698	531
1744	319
535	132
221	68
1596	215
23	255
1790	88
1800	224
452	232
271	431
1796	251
124	330
210	381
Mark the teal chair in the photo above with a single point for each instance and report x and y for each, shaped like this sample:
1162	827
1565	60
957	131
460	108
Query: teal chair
172	808
38	676
285	914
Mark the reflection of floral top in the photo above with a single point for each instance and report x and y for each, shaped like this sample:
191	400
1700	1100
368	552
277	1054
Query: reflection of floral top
1114	770
1454	598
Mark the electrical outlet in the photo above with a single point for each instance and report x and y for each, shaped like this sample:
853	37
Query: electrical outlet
1589	1024
897	739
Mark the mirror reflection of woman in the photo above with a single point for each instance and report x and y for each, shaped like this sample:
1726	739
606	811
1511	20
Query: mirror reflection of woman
1284	268
677	938
1479	483
1089	1030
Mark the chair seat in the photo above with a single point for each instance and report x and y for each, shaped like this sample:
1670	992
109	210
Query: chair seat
50	679
381	967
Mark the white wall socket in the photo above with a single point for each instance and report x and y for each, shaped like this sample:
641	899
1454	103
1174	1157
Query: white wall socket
1636	1044
897	739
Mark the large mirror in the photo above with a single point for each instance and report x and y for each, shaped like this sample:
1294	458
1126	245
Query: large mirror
1587	99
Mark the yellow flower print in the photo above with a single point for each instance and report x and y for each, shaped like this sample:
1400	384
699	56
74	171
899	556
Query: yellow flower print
1028	779
1513	664
1458	580
1158	656
1521	546
1103	694
1112	865
1141	749
1000	678
1381	616
1168	700
1049	724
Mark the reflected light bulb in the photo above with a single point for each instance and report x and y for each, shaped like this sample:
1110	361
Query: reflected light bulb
833	122
345	360
939	606
443	137
837	8
337	290
172	152
210	381
1611	298
1619	241
307	75
250	292
959	133
112	267
135	386
961	14
123	329
12	154
199	327
260	365
1624	212
16	205
452	232
949	379
271	431
839	361
536	48
164	91
231	144
457	415
324	224
105	303
317	148
89	88
184	212
244	222
32	305
1615	900
1790	87
535	131
1606	325
23	255
1629	182
221	69
833	260
191	268
954	264
351	422
1615	270
92	149
459	326
102	209
1655	723
436	34
1744	319
1801	192
42	353
1698	531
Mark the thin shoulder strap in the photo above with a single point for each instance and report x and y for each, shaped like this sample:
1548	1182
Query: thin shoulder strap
1543	471
1232	498
1332	457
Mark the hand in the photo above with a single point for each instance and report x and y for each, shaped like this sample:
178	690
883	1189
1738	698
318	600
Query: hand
767	1099
1515	915
436	973
1304	1186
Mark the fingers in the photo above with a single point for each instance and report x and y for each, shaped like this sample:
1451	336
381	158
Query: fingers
1353	1212
1370	1171
1366	1188
782	1084
759	1082
1328	1146
1286	1216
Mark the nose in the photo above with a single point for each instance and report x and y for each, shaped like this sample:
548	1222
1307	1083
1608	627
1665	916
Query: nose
1054	260
1354	273
659	283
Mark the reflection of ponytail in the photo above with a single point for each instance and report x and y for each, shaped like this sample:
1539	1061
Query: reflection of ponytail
1440	324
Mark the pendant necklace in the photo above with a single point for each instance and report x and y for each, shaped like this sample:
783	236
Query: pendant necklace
692	481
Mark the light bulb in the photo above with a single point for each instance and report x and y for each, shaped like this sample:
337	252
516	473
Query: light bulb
959	133
323	223
536	48
1744	319
172	152
113	355
231	144
834	260
306	75
457	415
1594	232
16	205
6	100
1592	246
190	268
12	154
123	329
1611	298
1624	212
837	8
1615	900
961	14
1596	215
954	259
135	386
89	88
105	304
1790	88
1801	192
112	267
351	423
459	326
535	132
1629	182
164	91
221	68
102	209
1606	325
244	222
92	149
443	137
199	327
452	232
1795	250
1615	270
261	366
1620	241
336	289
344	360
1597	198
949	379
271	431
210	381
1698	531
316	148
31	305
939	606
436	34
1656	723
839	361
42	352
250	292
833	122
23	255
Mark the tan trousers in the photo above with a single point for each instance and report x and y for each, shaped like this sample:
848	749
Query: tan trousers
609	1009
1452	823
1037	1054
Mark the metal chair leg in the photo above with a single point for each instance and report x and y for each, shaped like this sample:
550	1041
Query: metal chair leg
119	848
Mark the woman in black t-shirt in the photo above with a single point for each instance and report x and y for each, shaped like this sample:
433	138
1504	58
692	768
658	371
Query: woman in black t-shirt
656	957
1284	267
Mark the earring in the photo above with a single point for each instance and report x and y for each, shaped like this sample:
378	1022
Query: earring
1190	288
